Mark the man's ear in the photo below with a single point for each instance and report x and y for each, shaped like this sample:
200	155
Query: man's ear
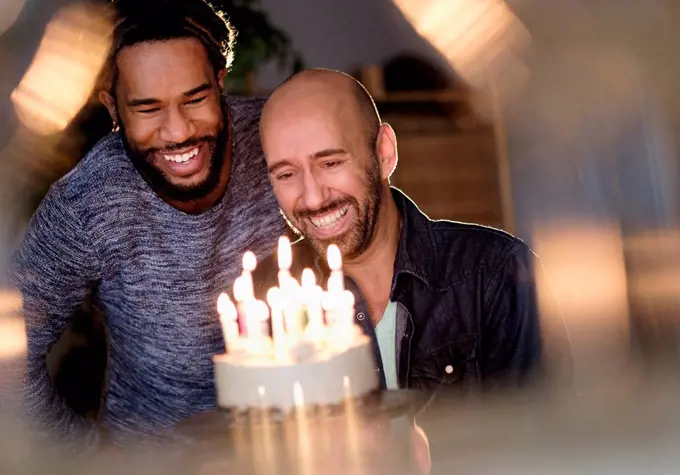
220	79
386	150
109	102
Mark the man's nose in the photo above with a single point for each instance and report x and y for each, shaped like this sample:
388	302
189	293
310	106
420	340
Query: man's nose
176	127
315	192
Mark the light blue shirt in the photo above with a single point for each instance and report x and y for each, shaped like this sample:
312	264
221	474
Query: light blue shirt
385	332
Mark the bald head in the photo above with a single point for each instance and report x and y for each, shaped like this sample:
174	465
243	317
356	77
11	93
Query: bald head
329	158
340	97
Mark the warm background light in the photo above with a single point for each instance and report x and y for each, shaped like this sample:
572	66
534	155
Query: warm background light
12	338
482	39
587	278
64	70
9	12
12	329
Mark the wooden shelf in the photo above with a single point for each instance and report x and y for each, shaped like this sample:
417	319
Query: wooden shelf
443	96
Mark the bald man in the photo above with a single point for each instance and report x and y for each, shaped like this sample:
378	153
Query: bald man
445	303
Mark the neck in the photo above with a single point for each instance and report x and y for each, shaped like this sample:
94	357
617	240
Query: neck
374	269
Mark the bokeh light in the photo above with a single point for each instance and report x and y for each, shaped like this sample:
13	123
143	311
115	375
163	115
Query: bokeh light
64	70
9	12
482	40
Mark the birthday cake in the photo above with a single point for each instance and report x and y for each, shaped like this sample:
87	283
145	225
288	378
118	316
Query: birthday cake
301	348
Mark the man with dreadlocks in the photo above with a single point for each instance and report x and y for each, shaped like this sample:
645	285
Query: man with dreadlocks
153	223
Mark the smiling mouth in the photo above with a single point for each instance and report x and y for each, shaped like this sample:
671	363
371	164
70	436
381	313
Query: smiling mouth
181	157
330	219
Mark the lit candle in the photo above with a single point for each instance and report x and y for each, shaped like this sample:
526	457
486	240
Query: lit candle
293	309
312	294
336	285
347	306
278	329
336	281
340	314
257	315
244	292
242	299
249	264
285	258
346	316
228	316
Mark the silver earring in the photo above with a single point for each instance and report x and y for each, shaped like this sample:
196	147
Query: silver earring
116	127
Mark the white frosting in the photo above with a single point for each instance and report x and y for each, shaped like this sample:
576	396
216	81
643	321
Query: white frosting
323	378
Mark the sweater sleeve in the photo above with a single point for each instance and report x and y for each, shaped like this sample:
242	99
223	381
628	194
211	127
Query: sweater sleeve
55	268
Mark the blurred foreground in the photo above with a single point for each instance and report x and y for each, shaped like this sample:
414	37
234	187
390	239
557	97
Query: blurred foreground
629	425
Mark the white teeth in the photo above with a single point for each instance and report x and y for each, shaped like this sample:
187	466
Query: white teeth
331	219
183	157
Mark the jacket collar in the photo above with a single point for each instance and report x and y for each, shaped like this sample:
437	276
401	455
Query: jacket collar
416	253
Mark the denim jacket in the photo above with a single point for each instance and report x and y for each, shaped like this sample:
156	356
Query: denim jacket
466	306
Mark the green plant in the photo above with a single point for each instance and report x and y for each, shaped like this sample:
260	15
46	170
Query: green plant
258	41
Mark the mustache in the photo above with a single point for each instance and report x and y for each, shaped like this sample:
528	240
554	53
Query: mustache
330	206
179	146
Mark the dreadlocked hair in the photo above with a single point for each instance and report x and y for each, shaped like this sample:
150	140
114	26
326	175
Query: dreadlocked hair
142	21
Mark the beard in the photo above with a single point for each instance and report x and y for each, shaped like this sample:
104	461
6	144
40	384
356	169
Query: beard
358	238
144	161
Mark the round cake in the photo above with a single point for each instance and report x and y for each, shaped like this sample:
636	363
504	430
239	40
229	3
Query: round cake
313	375
299	349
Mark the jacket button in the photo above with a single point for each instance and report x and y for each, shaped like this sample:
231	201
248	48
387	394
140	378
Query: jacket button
448	369
360	316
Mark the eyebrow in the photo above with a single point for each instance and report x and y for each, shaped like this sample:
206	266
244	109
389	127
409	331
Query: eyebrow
278	165
152	100
329	152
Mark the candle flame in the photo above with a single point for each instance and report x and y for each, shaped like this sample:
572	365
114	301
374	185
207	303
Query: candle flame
226	308
249	261
298	395
334	257
285	253
308	279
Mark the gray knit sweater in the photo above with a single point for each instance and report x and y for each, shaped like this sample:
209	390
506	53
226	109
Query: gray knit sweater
155	273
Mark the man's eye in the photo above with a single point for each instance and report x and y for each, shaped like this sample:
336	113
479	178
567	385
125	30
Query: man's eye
197	100
284	176
331	164
149	111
